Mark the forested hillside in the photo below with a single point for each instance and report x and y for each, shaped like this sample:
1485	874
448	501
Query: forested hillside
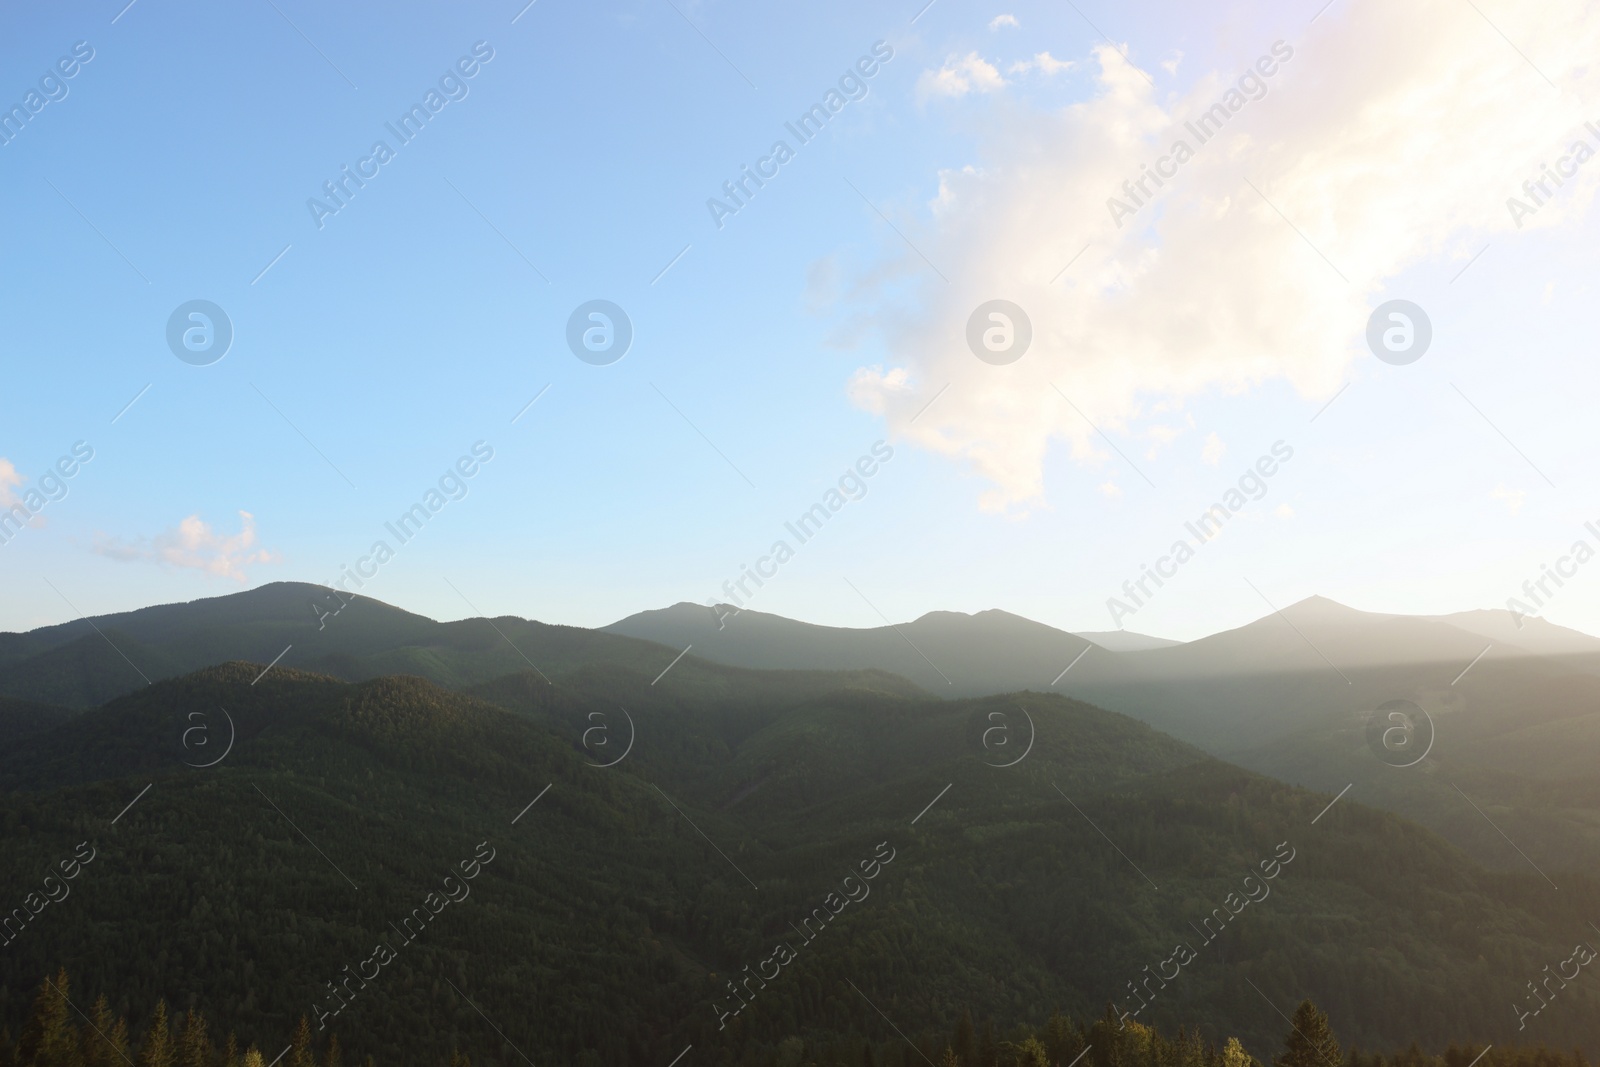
610	909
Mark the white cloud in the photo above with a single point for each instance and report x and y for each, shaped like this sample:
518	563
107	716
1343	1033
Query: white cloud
1393	135
1003	20
1511	498
1213	451
870	387
1162	434
9	481
1283	511
1110	489
1043	62
193	545
960	76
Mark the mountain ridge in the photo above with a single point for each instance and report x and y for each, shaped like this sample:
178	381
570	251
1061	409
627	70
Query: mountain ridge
1288	695
619	899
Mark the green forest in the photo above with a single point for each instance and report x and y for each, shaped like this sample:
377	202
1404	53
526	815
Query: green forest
241	842
58	1033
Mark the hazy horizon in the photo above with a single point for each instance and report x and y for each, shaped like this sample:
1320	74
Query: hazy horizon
729	618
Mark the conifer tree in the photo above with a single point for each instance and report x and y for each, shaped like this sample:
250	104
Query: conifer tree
1031	1054
1062	1040
105	1038
1310	1042
333	1057
158	1050
49	1039
1234	1055
193	1048
300	1054
1116	1040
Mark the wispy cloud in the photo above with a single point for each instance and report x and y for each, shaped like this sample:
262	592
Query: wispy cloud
1043	62
194	545
870	387
960	76
9	481
12	496
1003	20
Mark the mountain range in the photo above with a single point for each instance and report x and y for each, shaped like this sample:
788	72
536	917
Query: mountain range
1511	706
270	792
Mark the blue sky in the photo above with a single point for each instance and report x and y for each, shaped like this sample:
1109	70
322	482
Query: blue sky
427	313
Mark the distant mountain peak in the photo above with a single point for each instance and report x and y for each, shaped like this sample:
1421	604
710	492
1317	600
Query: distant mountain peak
1318	602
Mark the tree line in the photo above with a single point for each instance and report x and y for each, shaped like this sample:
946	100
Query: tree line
57	1033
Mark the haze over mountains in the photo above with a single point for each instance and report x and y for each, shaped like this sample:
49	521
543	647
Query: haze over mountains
696	810
958	650
1074	843
1514	710
945	651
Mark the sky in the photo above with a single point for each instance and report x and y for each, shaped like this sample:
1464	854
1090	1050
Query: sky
1200	342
